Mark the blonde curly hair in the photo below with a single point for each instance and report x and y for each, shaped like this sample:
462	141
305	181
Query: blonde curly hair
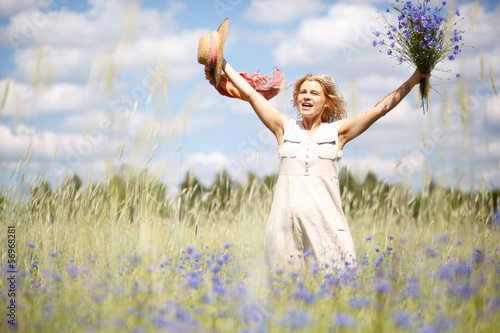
337	107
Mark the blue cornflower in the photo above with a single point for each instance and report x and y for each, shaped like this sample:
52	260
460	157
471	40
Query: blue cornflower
444	3
413	291
381	42
464	291
393	44
457	12
390	237
345	320
445	273
193	280
374	43
402	319
295	319
72	271
220	290
227	245
369	238
478	256
457	76
31	244
451	57
377	33
135	260
389	52
427	36
431	253
358	302
306	296
190	249
463	269
444	323
383	287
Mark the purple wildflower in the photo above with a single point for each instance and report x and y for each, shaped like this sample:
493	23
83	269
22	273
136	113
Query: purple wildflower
345	320
402	319
295	319
220	290
445	273
72	271
383	287
306	296
358	302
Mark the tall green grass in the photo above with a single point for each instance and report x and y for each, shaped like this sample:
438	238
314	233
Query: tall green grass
126	255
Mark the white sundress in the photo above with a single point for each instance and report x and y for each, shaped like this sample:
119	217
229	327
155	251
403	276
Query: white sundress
306	214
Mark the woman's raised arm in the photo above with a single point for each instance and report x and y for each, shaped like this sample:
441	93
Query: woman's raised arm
350	128
274	120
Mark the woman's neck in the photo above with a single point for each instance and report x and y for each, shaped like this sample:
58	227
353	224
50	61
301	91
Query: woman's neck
311	124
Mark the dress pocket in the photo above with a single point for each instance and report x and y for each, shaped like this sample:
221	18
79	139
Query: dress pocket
327	149
289	148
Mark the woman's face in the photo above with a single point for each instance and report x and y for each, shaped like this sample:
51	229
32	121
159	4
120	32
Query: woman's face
311	99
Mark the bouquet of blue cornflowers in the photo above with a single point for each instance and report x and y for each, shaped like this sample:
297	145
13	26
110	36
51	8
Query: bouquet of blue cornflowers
422	38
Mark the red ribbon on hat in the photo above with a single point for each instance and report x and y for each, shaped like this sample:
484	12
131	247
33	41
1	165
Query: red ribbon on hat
266	85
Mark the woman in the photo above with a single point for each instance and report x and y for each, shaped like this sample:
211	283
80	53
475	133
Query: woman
306	218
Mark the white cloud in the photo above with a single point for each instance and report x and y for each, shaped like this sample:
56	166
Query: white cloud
25	101
22	137
281	11
339	35
13	7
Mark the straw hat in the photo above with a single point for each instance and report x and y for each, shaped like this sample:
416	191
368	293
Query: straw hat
211	51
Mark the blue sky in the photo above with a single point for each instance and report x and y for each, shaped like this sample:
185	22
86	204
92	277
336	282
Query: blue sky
83	81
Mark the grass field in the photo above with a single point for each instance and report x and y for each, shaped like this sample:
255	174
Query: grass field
125	256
